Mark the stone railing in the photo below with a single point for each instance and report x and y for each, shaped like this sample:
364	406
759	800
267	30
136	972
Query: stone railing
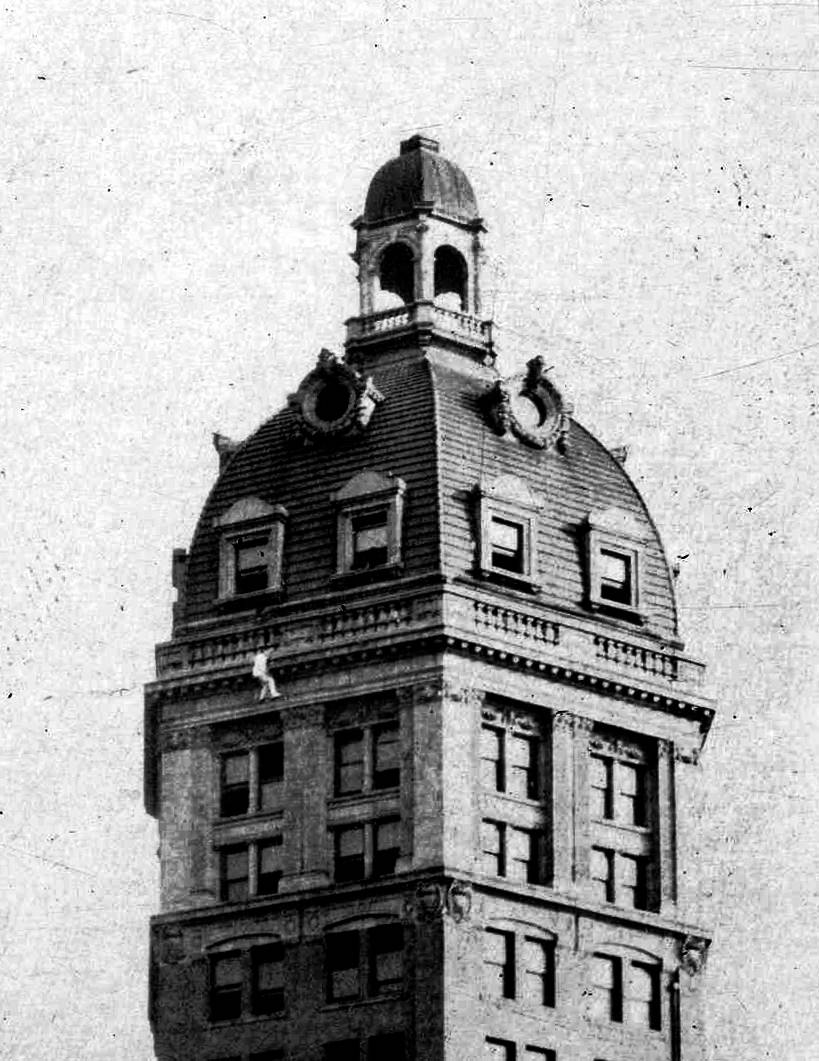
624	654
522	627
424	314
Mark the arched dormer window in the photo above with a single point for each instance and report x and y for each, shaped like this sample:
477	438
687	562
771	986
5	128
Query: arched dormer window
396	276
251	549
450	282
364	958
369	515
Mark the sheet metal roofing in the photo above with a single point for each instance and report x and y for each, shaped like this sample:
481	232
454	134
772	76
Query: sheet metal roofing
430	431
420	175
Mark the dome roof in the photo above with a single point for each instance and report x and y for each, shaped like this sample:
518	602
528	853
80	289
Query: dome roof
430	431
420	175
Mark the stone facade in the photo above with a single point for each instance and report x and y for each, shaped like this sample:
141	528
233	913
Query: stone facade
455	833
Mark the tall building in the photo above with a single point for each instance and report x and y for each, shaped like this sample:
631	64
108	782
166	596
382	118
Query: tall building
454	832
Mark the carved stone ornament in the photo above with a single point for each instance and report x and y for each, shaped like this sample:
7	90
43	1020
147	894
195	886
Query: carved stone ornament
334	400
459	900
427	903
692	954
530	407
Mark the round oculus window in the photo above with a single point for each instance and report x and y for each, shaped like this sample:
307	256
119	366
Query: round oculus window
528	411
333	401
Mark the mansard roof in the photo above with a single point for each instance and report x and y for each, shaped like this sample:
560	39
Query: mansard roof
431	432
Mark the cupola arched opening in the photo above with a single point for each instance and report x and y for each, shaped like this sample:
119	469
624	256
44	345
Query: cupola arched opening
450	278
396	275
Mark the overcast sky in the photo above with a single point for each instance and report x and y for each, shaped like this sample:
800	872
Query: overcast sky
178	185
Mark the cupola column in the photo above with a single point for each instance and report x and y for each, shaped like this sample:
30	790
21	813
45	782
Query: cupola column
424	265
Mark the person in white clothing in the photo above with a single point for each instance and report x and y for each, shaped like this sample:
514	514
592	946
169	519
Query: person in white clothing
261	671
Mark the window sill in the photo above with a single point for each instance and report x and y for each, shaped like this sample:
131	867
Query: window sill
617	611
352	798
261	598
248	1018
371	1000
254	816
610	823
364	577
508	578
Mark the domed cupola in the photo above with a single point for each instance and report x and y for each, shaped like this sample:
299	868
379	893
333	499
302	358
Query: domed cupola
420	255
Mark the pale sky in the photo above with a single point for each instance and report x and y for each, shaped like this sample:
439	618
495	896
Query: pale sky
178	187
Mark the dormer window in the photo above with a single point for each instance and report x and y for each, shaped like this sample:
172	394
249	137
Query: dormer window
507	526
613	553
369	516
251	549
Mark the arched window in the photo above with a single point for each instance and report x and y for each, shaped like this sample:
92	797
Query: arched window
450	279
396	275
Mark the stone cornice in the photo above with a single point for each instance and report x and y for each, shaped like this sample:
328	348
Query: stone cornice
464	620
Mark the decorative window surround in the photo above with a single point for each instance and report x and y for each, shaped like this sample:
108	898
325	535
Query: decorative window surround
369	518
246	980
507	531
249	525
614	543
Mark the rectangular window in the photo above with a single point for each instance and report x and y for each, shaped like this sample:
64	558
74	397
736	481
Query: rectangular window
269	866
386	955
607	984
493	847
493	774
271	775
539	971
602	874
631	881
343	1050
630	796
235	880
643	996
500	1050
523	855
349	762
226	986
616	583
386	847
235	787
499	963
386	764
523	766
602	788
370	540
267	964
343	966
506	545
251	559
349	854
388	1047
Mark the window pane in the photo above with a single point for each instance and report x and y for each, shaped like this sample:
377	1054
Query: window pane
631	802
271	774
492	846
270	866
522	855
631	881
349	853
506	545
602	873
386	768
600	780
643	996
500	1050
386	951
344	1050
343	960
370	540
499	963
538	968
607	984
387	847
492	772
388	1047
268	978
235	792
349	762
523	781
251	559
234	874
226	987
615	577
